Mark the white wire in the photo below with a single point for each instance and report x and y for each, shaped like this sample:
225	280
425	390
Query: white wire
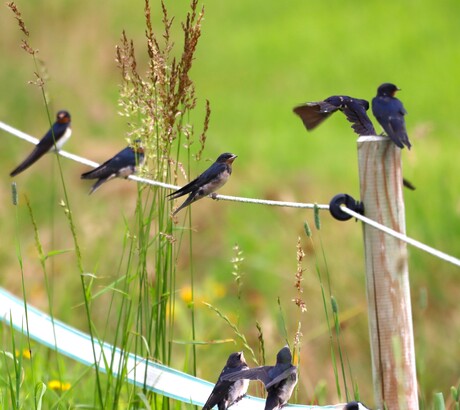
272	203
79	159
389	231
93	164
402	237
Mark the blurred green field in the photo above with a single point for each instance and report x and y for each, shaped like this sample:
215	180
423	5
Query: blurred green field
255	61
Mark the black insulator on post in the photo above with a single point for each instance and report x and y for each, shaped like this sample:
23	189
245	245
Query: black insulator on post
335	206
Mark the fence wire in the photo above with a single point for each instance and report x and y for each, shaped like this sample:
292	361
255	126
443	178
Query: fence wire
437	253
402	237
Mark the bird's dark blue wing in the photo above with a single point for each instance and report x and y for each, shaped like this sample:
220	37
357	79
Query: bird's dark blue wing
399	106
53	135
44	145
283	375
124	158
313	114
257	373
397	130
207	176
355	111
218	393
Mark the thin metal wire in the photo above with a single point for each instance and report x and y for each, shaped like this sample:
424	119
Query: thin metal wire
323	207
402	237
93	164
389	231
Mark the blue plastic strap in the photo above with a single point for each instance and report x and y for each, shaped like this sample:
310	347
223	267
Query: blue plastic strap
77	345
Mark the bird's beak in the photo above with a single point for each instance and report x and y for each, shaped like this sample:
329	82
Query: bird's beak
231	159
394	92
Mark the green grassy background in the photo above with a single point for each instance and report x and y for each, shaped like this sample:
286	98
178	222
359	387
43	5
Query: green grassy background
255	61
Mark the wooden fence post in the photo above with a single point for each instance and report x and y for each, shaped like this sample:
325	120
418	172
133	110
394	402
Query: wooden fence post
387	276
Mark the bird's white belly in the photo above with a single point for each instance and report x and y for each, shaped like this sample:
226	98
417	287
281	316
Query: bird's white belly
60	143
125	172
217	183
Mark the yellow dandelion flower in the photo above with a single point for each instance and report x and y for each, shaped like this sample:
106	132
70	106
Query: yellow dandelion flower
26	354
186	294
58	385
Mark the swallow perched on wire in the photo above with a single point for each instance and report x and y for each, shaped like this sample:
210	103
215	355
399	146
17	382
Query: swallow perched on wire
314	113
390	112
54	139
279	380
122	165
208	182
225	392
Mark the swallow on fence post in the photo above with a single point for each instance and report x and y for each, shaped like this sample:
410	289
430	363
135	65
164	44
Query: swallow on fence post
390	112
314	113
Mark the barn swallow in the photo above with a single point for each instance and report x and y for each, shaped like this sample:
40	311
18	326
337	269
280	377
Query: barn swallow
314	113
279	380
54	139
225	392
122	165
208	182
355	405
390	112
